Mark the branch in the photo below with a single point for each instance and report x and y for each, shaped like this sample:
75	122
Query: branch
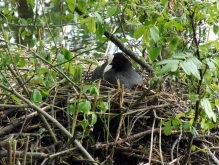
197	104
54	121
212	156
122	47
129	52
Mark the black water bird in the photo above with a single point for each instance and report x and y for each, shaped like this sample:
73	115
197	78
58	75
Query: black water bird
118	67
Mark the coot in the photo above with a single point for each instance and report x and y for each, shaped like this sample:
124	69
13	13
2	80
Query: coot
119	67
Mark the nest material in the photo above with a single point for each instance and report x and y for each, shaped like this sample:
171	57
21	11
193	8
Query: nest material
138	135
125	134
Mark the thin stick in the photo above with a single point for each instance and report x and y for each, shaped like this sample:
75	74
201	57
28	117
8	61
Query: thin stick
152	137
161	155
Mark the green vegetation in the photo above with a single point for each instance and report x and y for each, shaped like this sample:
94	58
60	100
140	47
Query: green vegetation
173	40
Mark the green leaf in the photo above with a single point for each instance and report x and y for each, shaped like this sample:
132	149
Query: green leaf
129	12
111	11
44	93
204	47
60	59
53	74
28	32
84	20
154	31
194	69
71	109
23	34
94	90
210	65
100	31
22	62
16	58
90	61
82	5
6	35
42	71
167	128
208	109
160	19
161	123
194	131
91	25
103	2
171	64
16	99
36	97
5	61
67	54
99	18
77	73
32	43
42	130
186	67
124	40
182	55
167	61
194	148
93	119
154	53
71	5
216	62
178	26
186	126
139	32
70	68
92	140
193	97
196	61
217	5
175	124
6	11
84	123
102	106
147	38
215	29
174	67
164	2
178	116
86	88
173	44
216	44
165	68
190	68
216	102
23	22
142	19
169	24
69	16
211	125
84	106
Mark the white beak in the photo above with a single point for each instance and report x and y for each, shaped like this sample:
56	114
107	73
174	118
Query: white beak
108	67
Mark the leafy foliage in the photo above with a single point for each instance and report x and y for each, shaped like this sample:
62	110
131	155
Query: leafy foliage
173	34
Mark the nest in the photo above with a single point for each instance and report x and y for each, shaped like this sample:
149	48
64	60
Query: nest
132	113
137	129
130	131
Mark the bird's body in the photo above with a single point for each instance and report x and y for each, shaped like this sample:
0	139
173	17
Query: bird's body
129	78
98	72
121	68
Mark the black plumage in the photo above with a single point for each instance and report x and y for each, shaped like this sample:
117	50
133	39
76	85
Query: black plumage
119	67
